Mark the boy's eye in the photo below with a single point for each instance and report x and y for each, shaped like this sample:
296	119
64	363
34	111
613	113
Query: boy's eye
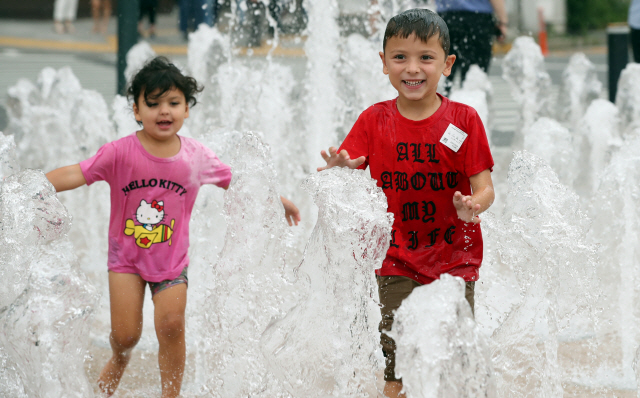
399	56
426	57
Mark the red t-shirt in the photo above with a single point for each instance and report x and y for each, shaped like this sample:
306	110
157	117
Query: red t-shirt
419	175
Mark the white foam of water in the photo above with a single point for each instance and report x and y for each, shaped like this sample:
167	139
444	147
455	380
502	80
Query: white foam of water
250	287
555	144
628	98
44	328
580	86
440	350
523	68
137	56
545	243
310	350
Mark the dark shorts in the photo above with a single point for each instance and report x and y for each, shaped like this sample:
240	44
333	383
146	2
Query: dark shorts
157	287
393	290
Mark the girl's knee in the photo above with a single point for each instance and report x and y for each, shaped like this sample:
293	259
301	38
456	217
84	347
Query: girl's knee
125	340
171	326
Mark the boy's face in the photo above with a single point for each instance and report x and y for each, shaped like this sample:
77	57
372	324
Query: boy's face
414	67
162	117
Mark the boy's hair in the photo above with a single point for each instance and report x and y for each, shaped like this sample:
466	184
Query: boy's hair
421	22
159	76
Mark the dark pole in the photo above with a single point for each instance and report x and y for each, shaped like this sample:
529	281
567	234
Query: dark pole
127	36
618	43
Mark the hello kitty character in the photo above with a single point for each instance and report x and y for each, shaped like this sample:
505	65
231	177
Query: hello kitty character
150	214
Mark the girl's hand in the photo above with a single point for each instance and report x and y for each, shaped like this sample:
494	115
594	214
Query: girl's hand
342	159
291	212
465	208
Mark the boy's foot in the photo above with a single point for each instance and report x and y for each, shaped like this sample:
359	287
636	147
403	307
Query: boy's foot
112	373
392	389
58	27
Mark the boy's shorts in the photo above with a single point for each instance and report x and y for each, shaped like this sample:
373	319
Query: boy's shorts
157	287
392	290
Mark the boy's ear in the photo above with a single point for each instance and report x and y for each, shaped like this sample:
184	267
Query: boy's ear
385	69
448	64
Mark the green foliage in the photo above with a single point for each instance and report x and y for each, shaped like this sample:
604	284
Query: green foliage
583	15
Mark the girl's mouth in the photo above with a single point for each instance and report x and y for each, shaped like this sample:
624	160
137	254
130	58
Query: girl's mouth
165	124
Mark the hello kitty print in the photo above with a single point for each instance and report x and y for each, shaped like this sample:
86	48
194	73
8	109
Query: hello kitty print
149	215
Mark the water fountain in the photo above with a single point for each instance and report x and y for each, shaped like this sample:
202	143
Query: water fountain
555	303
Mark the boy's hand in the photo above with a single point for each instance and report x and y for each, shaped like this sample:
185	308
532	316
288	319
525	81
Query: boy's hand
465	208
291	212
342	159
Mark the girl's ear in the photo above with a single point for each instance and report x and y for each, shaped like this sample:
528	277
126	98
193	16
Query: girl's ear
186	112
136	112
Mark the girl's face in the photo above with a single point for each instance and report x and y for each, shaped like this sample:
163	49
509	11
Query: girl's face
162	117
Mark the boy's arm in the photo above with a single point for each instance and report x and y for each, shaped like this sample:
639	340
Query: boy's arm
342	159
468	207
66	178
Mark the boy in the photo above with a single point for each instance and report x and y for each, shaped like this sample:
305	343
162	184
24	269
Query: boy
431	157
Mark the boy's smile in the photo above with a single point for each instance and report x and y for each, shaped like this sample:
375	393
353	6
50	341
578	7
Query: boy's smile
414	68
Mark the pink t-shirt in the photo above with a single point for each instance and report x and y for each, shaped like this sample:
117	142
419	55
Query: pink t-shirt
151	203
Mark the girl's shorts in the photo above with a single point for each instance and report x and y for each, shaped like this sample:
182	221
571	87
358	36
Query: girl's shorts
157	287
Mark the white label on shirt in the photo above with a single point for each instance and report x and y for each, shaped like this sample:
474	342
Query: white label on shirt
453	137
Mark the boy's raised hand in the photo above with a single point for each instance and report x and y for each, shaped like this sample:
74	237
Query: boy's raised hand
465	208
342	159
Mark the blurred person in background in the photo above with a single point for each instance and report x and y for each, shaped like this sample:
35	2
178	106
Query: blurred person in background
64	13
473	25
195	12
101	12
149	8
634	24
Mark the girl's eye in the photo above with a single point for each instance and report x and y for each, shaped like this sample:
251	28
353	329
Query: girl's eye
175	103
151	104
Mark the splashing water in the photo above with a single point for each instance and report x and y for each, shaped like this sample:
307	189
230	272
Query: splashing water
580	86
557	292
47	321
440	351
327	344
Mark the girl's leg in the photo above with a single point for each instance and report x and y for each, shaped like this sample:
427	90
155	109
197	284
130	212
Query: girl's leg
169	321
126	296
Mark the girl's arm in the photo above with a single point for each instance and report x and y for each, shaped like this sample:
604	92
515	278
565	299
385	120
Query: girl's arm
66	178
291	212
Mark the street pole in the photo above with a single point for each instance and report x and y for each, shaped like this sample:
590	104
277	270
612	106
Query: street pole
127	36
618	43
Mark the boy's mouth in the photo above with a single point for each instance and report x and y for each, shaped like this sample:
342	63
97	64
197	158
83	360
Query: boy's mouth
413	83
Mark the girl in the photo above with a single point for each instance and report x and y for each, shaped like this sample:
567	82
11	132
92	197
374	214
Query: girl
154	175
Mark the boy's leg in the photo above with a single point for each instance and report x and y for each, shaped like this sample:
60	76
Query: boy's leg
169	320
392	290
126	296
469	294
